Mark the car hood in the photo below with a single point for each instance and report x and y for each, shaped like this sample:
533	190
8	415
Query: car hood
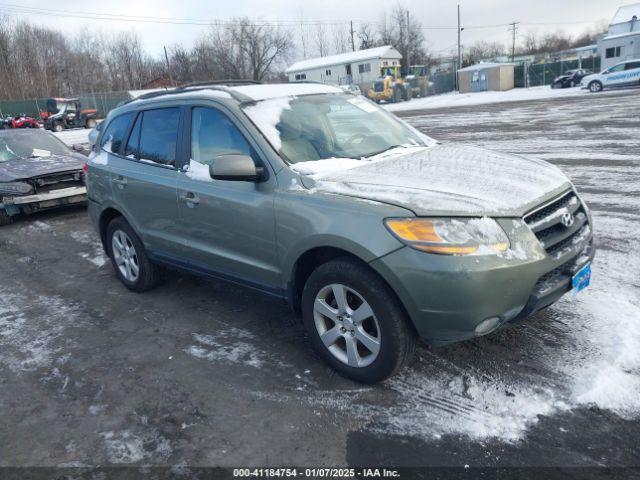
588	78
448	180
561	77
23	168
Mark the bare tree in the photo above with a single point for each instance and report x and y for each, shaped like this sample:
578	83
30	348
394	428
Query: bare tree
341	39
249	50
483	50
367	37
405	33
321	40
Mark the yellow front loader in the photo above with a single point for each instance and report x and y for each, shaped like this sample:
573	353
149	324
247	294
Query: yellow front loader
389	87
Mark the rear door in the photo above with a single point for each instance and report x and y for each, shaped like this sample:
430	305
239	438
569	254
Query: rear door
144	177
632	69
229	226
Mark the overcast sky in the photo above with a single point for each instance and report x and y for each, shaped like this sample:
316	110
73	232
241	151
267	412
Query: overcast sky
572	16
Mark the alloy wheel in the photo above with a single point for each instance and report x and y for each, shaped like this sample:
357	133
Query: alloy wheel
125	256
347	325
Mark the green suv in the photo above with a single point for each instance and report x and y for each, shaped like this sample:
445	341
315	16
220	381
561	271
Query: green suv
375	233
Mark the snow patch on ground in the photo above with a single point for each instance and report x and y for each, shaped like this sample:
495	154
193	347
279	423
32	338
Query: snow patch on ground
134	445
96	256
31	328
74	136
455	99
230	345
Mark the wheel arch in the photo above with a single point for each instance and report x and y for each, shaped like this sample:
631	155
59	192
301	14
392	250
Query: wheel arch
106	216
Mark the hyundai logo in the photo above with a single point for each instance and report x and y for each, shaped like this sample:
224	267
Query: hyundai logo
567	219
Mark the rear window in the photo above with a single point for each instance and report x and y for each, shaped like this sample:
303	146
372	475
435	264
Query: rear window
115	132
159	136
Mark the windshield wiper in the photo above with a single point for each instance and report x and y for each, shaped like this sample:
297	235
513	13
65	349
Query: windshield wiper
401	145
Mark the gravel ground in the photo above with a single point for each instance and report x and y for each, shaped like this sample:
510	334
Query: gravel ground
205	373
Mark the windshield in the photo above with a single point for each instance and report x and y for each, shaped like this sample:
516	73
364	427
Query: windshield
315	127
28	144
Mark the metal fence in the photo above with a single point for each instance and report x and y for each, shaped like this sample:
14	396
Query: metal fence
103	102
538	74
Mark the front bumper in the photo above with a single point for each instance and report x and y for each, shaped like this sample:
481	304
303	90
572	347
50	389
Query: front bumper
449	299
55	198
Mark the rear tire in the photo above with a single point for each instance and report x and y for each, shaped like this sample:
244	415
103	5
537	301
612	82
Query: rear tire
5	218
91	123
337	330
129	258
595	86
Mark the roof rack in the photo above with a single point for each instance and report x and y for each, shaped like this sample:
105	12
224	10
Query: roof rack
230	82
195	86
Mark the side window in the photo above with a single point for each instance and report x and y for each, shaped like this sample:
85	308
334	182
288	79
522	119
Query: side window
116	130
632	65
159	136
213	134
132	148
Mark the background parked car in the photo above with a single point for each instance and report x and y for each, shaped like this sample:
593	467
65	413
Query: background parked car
623	74
571	78
37	172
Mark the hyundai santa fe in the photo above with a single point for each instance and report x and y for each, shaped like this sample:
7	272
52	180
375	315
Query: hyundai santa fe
375	233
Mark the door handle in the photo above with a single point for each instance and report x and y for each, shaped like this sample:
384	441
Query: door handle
190	198
120	180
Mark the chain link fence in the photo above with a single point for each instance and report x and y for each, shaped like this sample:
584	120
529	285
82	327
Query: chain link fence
539	74
103	102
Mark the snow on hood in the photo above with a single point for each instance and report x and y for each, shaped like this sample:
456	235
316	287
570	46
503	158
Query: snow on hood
448	179
21	168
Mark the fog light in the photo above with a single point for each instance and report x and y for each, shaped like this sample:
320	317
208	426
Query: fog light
487	325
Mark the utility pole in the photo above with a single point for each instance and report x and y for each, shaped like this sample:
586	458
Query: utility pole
353	43
166	57
459	62
513	28
408	67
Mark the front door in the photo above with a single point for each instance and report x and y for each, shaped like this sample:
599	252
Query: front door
614	76
228	226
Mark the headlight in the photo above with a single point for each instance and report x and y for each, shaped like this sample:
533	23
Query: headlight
16	188
450	236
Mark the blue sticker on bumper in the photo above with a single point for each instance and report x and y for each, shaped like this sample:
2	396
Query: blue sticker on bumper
581	280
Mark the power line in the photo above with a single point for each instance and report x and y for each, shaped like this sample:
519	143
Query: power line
89	15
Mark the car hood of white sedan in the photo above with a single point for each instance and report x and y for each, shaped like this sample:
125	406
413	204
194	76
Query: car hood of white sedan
445	179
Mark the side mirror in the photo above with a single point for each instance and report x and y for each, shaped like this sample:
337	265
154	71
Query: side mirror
235	167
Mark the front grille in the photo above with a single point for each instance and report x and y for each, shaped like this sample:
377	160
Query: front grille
558	236
47	183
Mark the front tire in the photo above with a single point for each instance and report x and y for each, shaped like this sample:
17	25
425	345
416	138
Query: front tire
91	123
58	127
129	258
5	218
355	321
595	86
